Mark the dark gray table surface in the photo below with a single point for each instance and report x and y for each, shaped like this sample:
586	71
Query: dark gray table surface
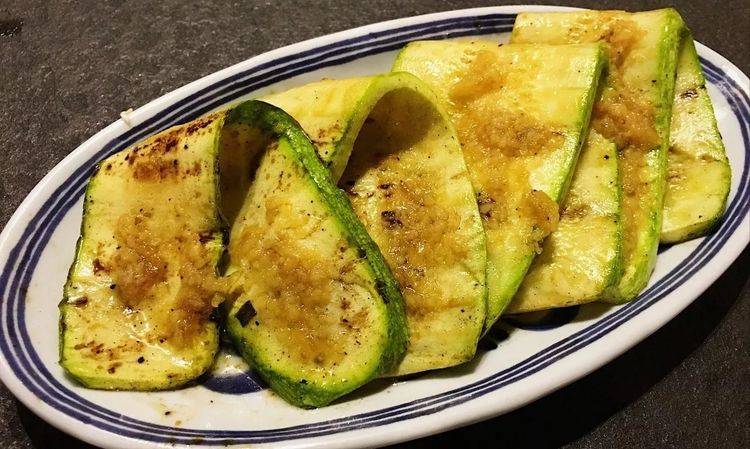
68	68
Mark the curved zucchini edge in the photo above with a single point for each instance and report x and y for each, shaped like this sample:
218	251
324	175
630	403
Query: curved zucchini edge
279	125
665	28
380	86
346	104
633	282
548	284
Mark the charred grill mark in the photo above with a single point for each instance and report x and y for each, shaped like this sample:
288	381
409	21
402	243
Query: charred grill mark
97	351
199	124
386	187
485	203
245	313
113	367
80	302
205	236
195	170
689	94
390	219
98	266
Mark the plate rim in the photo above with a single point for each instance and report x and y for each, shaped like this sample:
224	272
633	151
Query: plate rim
145	113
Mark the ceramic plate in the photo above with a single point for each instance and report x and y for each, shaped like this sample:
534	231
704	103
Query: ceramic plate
231	406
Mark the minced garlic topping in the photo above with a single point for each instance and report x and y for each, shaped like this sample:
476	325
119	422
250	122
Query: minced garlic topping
496	143
144	263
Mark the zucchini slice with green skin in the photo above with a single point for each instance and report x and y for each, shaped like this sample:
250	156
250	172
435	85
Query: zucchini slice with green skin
136	307
634	111
395	152
520	139
316	311
581	258
698	172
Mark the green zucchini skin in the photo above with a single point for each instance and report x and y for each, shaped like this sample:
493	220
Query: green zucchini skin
647	67
385	335
512	244
103	343
698	172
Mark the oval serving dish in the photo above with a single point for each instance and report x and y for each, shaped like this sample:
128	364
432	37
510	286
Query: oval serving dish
231	406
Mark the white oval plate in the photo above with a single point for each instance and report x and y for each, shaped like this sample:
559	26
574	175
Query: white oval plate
231	407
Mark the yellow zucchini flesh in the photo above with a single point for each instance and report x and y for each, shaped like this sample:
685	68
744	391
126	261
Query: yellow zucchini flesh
698	172
521	113
581	258
394	151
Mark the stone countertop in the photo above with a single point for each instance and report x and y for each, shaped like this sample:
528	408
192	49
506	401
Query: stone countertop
68	68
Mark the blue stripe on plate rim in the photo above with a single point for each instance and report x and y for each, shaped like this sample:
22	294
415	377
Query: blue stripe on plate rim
27	366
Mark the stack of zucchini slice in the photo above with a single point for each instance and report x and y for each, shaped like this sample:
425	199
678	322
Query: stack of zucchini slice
378	226
639	108
522	113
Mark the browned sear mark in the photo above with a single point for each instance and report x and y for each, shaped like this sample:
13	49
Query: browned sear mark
689	94
390	219
98	267
205	236
485	203
199	124
80	302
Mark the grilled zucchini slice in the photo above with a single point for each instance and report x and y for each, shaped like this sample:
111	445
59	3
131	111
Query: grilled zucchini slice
316	311
396	154
581	258
698	172
520	139
634	111
136	308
